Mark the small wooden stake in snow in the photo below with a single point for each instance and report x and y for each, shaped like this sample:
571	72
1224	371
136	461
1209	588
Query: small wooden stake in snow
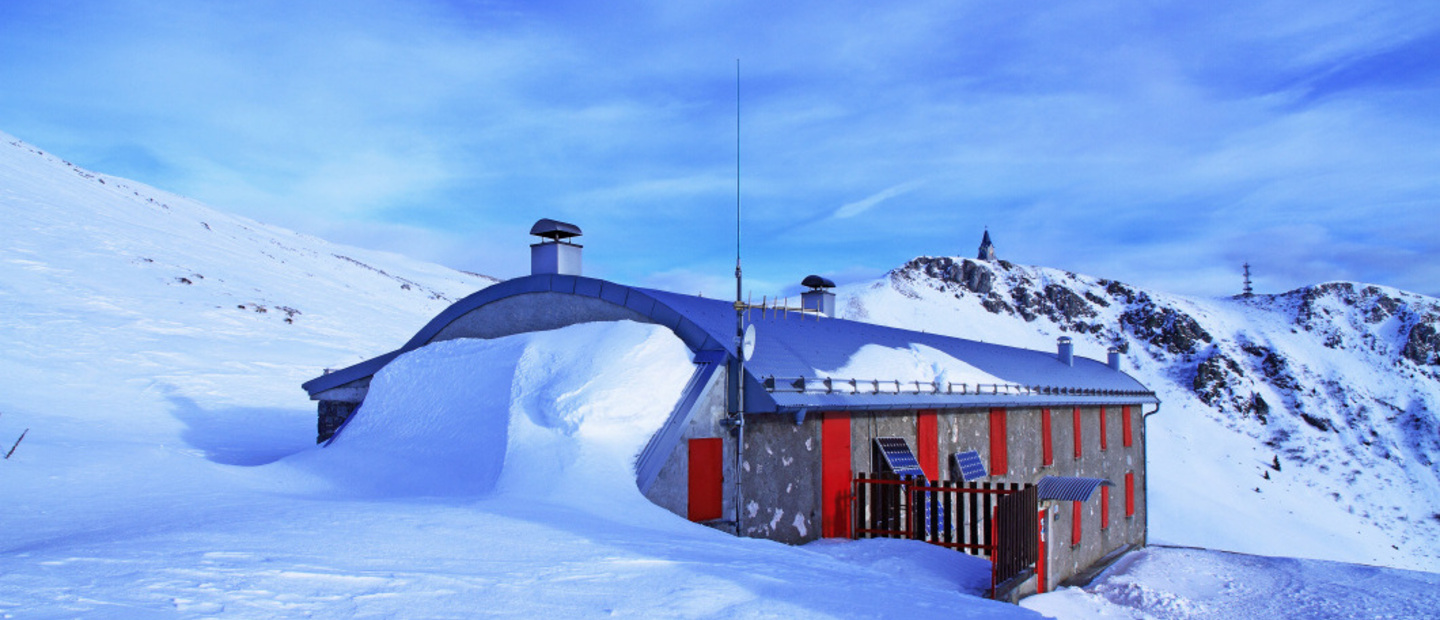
17	444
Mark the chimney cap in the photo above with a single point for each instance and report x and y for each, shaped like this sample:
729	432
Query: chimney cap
554	229
817	282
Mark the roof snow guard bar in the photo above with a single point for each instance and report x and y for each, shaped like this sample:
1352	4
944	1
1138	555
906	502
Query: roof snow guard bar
828	385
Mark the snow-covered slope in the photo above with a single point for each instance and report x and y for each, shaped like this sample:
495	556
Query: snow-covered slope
154	348
1300	424
108	284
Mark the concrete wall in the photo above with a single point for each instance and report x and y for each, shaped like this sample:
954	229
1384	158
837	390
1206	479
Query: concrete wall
1066	560
782	479
963	430
333	413
671	487
865	426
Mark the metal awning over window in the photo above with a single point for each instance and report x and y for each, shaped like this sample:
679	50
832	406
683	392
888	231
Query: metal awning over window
1067	488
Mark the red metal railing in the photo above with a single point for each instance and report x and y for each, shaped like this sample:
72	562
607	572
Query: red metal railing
981	519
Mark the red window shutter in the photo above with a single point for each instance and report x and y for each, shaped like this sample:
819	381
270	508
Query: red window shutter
927	443
1104	445
835	475
1129	493
1075	414
1047	448
1104	508
707	478
1129	438
999	453
1076	513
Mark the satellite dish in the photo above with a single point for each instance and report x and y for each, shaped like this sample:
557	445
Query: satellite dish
747	346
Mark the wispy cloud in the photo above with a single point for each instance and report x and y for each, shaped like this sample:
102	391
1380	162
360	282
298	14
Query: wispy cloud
852	209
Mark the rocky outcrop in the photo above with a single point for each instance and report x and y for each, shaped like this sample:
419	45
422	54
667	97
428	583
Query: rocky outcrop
1422	343
1165	327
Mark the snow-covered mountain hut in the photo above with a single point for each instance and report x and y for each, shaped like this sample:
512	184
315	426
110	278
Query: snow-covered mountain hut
831	405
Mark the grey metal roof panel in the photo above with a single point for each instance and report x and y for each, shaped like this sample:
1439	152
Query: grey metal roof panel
614	293
588	287
562	283
1067	488
644	304
796	345
350	373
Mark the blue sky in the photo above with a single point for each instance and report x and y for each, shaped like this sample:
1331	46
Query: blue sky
1160	143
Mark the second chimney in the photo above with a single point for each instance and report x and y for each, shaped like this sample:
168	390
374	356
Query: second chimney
818	298
1066	351
555	253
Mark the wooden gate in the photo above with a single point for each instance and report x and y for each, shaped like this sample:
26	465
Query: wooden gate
997	521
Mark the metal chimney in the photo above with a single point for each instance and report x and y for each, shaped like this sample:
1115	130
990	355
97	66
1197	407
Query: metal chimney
818	298
1066	351
1114	358
555	253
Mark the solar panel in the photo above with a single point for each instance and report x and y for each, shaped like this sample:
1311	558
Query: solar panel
967	466
898	455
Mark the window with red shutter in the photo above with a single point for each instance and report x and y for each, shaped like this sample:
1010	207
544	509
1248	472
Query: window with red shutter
1104	508
1104	445
1076	513
1125	426
999	452
1129	493
1046	443
1075	414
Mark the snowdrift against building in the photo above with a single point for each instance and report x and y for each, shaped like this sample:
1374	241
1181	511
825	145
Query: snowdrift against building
560	413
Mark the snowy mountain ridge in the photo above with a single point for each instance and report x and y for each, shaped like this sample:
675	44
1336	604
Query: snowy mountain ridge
1322	399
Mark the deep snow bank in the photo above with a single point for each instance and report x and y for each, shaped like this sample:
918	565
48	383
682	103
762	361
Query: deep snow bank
559	413
1200	583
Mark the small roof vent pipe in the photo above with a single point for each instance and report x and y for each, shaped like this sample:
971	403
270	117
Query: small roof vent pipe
1114	358
555	253
818	298
1066	351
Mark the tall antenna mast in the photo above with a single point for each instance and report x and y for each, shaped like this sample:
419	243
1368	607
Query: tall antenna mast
1249	292
739	419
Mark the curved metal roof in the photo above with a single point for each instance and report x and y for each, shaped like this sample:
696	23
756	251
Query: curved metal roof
793	345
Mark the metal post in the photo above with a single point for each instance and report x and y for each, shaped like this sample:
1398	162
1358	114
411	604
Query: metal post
739	419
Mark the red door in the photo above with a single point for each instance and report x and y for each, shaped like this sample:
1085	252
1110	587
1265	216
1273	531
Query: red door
1040	568
707	479
835	475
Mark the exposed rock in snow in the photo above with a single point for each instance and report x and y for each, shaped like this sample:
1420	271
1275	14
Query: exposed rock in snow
1341	380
